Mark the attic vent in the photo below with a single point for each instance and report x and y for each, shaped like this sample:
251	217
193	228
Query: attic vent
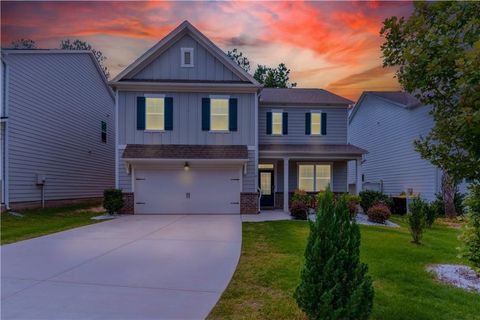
187	57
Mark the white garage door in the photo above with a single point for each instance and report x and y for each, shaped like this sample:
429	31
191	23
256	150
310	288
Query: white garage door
196	191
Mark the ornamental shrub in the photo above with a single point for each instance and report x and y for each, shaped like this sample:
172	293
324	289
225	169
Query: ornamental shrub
112	200
352	202
379	212
334	283
301	196
471	230
416	218
369	197
299	210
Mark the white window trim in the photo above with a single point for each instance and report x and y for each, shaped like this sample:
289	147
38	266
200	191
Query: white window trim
154	95
314	173
281	112
182	57
311	118
218	97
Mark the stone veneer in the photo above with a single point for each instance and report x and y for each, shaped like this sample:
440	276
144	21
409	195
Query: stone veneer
128	203
249	203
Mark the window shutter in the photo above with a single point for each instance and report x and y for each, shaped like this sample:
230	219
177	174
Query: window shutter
308	123
324	123
232	114
285	123
269	123
205	114
168	113
140	113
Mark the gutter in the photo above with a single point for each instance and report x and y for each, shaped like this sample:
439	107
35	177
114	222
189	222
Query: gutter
5	146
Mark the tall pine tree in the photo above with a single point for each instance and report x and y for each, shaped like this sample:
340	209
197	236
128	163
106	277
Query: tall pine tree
334	283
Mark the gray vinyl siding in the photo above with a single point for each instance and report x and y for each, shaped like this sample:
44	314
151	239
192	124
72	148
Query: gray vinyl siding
168	65
388	131
187	121
124	178
56	105
336	126
339	174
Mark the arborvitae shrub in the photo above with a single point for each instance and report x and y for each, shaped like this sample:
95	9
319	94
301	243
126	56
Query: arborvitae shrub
334	283
112	200
416	218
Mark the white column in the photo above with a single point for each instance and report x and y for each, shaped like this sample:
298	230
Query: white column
285	185
359	183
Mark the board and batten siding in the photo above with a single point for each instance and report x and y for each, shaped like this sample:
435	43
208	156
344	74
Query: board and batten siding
168	65
56	105
388	131
336	125
187	121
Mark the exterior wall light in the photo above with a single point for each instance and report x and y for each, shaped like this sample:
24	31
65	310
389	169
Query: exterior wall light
186	167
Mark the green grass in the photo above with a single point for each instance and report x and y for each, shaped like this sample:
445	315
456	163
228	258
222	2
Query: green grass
39	222
271	261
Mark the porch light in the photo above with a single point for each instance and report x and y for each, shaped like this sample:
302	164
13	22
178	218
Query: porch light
186	167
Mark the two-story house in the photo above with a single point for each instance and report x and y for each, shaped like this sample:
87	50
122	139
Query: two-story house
197	134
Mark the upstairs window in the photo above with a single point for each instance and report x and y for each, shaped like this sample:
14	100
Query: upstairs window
104	132
187	57
219	114
155	113
277	121
316	123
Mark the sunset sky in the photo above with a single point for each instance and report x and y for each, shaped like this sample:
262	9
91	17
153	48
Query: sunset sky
330	45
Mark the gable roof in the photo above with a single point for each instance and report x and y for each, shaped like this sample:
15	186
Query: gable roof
6	52
398	98
184	28
301	96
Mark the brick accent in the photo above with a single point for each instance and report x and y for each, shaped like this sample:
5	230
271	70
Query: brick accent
129	203
249	203
54	203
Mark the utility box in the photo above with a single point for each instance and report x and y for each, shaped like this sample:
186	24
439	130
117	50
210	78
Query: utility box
41	179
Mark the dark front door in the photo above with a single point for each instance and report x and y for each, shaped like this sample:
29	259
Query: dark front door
265	178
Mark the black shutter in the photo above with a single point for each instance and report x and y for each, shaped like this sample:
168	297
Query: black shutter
285	123
232	114
140	113
205	114
168	113
308	123
269	123
324	123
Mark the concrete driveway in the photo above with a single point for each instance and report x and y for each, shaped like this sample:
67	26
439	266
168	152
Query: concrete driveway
134	267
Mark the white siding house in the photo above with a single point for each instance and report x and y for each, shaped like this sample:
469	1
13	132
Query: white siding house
387	124
57	110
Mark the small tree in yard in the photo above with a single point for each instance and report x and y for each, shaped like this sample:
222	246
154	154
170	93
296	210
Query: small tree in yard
112	200
471	232
416	218
334	283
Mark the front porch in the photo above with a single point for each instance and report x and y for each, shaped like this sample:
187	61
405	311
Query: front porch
285	168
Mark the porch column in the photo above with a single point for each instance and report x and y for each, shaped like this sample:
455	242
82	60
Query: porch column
359	183
285	185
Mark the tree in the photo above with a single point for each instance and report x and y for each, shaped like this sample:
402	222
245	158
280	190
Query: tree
334	283
24	44
278	77
82	45
437	52
238	57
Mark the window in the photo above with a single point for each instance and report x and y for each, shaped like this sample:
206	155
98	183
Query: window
187	57
265	166
277	123
104	132
314	177
219	114
316	123
155	113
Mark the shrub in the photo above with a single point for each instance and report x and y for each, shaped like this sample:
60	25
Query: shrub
471	230
416	218
302	196
112	200
430	214
299	210
379	212
334	283
352	202
458	201
369	197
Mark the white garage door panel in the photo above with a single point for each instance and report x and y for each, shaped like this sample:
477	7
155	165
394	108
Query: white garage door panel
196	191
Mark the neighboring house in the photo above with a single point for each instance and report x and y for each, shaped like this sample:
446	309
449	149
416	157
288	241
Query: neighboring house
57	128
197	134
387	124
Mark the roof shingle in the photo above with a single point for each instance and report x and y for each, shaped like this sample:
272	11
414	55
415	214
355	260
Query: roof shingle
301	96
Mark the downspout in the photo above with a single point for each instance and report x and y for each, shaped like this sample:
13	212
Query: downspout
5	151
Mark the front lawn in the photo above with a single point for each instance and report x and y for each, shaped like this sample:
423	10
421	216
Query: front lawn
272	255
39	222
